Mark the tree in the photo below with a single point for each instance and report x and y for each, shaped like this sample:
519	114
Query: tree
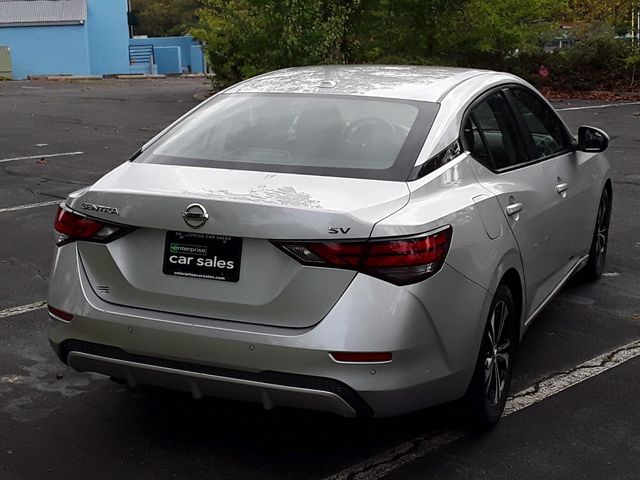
611	12
162	18
247	37
493	31
402	31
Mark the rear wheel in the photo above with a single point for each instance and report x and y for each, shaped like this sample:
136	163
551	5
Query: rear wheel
598	252
489	387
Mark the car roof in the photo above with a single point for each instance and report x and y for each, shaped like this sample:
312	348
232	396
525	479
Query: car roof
422	83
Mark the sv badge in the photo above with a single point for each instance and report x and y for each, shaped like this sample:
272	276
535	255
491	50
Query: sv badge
337	230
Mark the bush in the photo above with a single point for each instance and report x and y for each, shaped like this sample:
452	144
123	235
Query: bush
246	37
599	63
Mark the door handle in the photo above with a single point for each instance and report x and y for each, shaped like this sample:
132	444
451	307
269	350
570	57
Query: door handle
562	187
514	208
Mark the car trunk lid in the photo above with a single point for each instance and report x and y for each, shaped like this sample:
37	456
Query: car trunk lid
245	208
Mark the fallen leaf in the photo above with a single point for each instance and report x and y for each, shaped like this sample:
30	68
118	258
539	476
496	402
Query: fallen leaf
603	96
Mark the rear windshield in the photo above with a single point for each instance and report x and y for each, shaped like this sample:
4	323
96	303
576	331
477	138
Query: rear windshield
331	135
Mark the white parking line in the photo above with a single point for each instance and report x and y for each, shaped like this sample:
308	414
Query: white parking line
30	205
10	312
590	107
38	157
380	465
576	375
394	458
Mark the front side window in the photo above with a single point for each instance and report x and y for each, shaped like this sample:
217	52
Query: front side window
548	132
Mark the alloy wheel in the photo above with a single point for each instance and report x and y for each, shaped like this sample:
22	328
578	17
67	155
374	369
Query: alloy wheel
498	354
602	228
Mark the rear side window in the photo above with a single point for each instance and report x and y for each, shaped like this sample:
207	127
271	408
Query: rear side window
312	134
548	132
475	143
497	128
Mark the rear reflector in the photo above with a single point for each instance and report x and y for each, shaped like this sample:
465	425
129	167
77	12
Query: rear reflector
362	357
400	261
67	317
70	226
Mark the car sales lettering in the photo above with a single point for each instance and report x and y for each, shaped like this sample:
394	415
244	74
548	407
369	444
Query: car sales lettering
201	262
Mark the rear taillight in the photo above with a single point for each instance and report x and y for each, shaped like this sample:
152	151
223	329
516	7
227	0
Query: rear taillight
70	226
400	261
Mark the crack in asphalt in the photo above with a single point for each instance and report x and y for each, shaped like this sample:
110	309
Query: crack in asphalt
595	363
98	126
396	457
60	180
401	455
44	194
625	182
560	381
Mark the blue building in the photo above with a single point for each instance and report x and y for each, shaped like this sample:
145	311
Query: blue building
86	37
171	55
65	37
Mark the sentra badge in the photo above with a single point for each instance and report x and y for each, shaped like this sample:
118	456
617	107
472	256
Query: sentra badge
100	208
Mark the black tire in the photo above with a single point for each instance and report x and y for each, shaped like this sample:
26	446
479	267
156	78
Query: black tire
489	387
594	268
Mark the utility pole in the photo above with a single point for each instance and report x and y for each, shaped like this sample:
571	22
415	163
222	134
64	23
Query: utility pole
635	23
129	13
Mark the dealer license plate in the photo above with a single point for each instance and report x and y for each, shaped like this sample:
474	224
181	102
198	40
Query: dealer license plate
198	255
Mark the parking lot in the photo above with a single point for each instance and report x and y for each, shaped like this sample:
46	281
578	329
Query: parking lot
56	137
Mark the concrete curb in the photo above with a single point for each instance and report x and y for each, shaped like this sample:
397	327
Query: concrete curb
124	76
64	78
137	77
621	94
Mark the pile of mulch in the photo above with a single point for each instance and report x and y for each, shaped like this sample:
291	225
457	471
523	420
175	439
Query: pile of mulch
602	96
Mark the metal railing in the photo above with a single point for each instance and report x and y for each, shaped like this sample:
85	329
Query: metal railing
141	54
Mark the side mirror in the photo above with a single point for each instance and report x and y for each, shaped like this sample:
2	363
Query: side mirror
591	139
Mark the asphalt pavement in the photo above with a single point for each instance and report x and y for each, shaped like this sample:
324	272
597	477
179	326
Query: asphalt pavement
55	423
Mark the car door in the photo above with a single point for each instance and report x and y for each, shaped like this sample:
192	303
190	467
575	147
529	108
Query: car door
551	140
525	188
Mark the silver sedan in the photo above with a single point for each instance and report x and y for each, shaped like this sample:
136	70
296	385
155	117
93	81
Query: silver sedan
363	240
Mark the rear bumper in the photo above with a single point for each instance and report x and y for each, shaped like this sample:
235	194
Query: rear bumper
433	340
269	388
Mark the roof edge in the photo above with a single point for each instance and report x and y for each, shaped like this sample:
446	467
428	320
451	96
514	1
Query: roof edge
43	24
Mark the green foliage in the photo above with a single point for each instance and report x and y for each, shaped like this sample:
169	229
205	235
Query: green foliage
488	33
403	31
244	38
597	63
248	37
616	13
162	18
